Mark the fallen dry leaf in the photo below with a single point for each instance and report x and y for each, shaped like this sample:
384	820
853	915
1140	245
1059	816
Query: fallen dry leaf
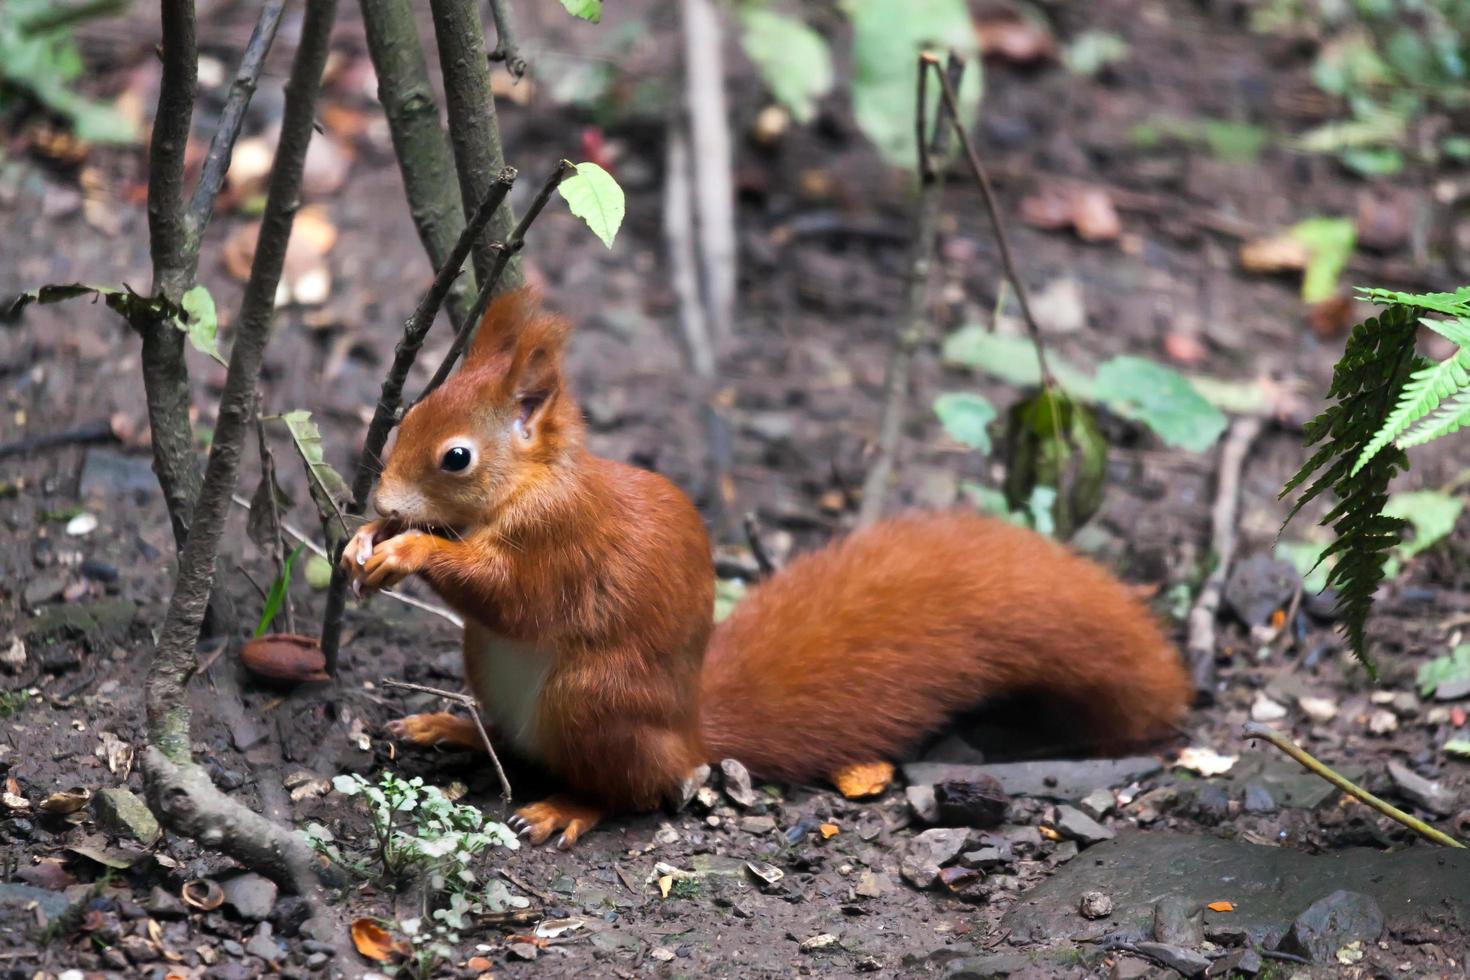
204	894
376	943
328	161
871	779
829	830
1206	761
305	277
1015	40
1331	317
1279	253
1185	348
665	882
250	166
1086	209
285	657
65	802
1221	906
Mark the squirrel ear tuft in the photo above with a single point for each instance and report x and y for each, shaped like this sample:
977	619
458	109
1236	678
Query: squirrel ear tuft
535	365
505	320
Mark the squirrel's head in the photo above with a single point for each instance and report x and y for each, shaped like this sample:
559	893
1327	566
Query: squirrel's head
490	439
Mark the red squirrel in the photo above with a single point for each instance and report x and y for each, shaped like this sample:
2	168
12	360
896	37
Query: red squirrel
587	590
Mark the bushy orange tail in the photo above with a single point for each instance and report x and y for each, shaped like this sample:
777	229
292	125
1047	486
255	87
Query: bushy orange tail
853	653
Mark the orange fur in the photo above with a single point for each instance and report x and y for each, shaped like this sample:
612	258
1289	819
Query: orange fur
588	588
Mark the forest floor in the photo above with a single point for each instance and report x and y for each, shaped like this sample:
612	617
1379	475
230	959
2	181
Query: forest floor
824	240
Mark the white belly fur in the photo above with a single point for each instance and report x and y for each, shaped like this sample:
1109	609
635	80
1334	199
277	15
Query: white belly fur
507	676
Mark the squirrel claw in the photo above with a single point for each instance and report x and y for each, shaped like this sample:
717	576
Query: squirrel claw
539	821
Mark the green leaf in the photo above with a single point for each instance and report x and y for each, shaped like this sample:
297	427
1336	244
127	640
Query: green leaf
1092	51
1431	514
888	36
123	301
1052	440
1425	391
1161	398
1457	748
1373	161
1039	507
793	60
1306	558
991	501
328	490
966	417
585	9
1456	304
275	597
1329	243
200	322
1011	359
1234	142
594	196
318	572
1453	667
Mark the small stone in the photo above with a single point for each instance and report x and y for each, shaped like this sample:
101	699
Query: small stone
872	885
691	786
1095	905
1383	722
250	895
1319	710
1237	963
922	802
1187	961
263	944
13	655
985	858
1097	804
81	525
163	904
662	953
1263	709
823	940
522	951
1075	825
978	802
121	812
930	851
757	825
737	783
1427	794
1132	968
1331	923
666	834
1405	704
317	960
706	798
1258	799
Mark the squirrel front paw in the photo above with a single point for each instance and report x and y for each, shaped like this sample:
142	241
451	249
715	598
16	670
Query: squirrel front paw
396	559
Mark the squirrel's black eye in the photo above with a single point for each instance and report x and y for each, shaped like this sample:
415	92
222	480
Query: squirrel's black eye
456	459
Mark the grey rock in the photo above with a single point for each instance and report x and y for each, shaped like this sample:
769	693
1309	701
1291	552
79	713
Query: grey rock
872	885
1258	799
1270	885
1097	804
1240	962
263	944
121	812
1290	785
1174	925
1075	825
1331	923
1258	586
44	586
316	961
927	853
164	904
1048	779
757	825
737	783
979	802
1187	961
16	901
1133	968
1095	905
250	895
985	858
1427	794
106	473
922	802
988	967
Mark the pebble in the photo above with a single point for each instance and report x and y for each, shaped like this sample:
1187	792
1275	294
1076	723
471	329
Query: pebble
1097	804
250	895
1095	905
922	802
1383	722
120	811
661	953
1075	825
1320	710
1427	794
163	904
872	885
823	940
1258	799
1187	961
1174	925
1331	923
1263	709
757	825
81	525
263	944
930	851
737	783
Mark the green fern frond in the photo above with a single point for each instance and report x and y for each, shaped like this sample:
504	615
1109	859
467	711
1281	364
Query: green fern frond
1452	416
1369	380
1424	393
1456	304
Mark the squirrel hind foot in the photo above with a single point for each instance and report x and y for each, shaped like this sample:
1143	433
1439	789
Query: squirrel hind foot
436	728
862	779
538	821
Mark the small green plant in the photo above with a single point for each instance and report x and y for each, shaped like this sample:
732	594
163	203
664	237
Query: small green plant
1385	399
13	703
419	834
39	62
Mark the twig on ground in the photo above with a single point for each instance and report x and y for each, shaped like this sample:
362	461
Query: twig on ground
505	255
1200	646
516	880
390	398
231	118
1253	729
694	323
757	546
711	159
507	47
977	168
474	132
468	701
301	537
933	141
419	142
180	790
91	434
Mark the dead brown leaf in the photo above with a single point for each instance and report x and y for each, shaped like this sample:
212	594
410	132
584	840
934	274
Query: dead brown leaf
1015	40
376	943
1279	253
1087	209
66	801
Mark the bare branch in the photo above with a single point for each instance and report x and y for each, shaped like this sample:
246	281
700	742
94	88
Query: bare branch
507	48
933	142
951	102
473	130
178	89
385	414
181	791
231	118
472	703
504	255
714	183
419	142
